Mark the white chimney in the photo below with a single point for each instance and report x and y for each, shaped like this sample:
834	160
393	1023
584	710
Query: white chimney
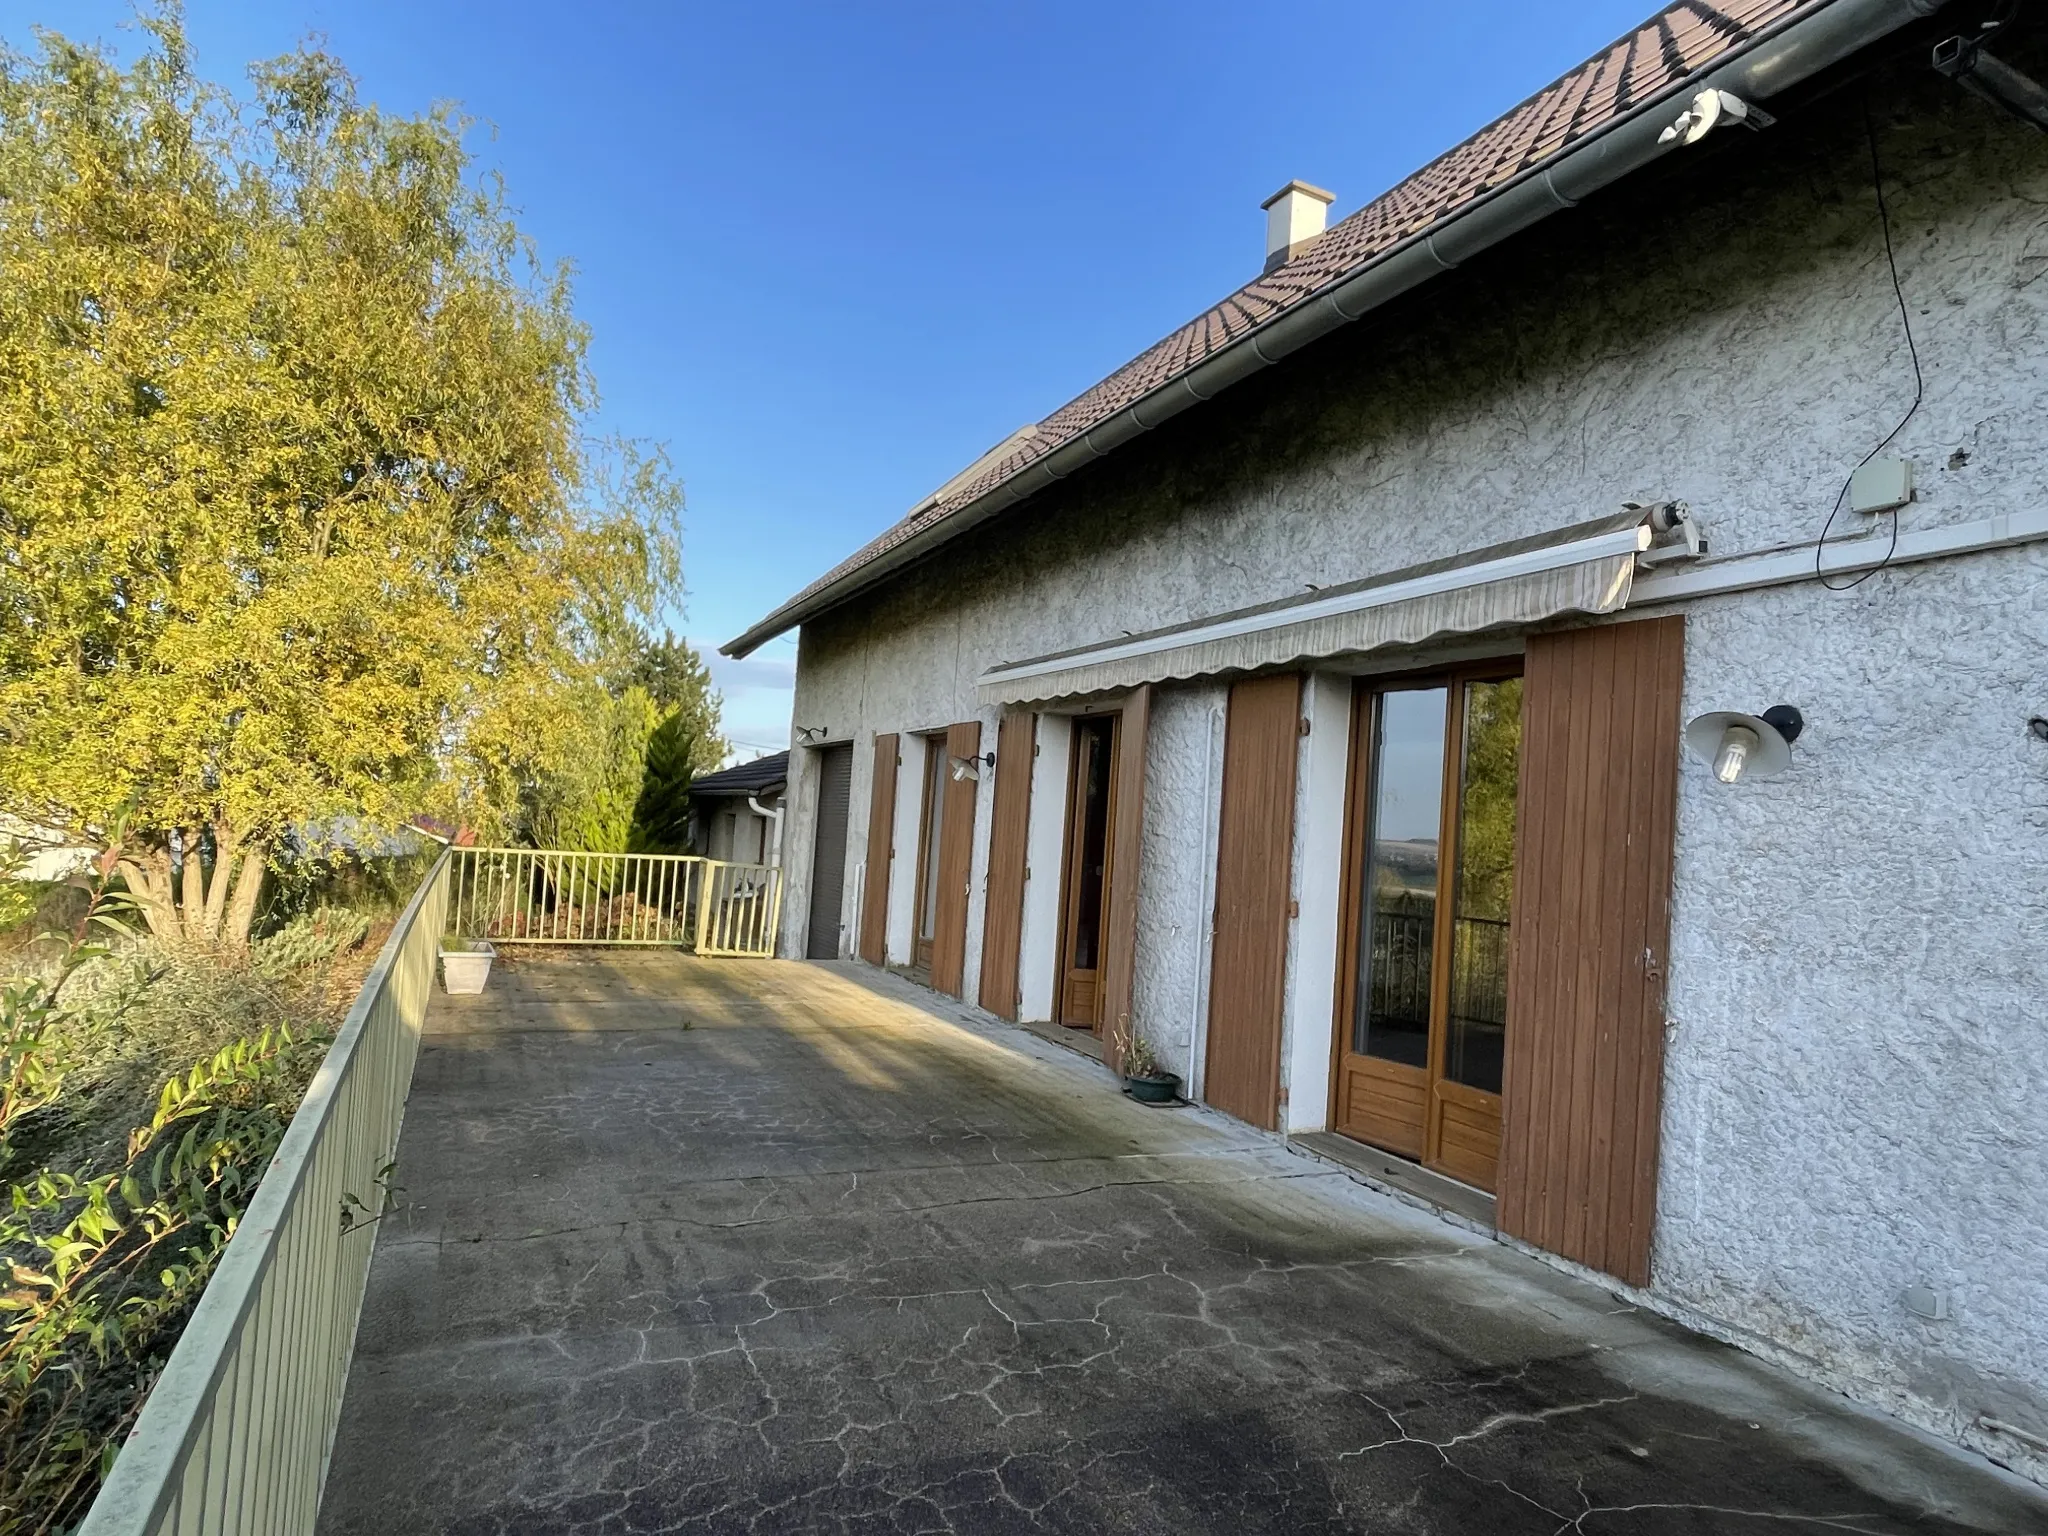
1294	216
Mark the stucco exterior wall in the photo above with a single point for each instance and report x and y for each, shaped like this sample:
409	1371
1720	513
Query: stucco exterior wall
1854	1087
1176	891
1856	1084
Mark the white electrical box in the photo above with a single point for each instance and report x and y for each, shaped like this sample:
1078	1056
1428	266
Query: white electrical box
1881	485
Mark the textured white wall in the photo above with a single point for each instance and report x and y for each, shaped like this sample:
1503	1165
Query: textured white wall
1045	849
1320	782
1856	1087
799	806
911	753
977	877
1854	1094
1183	787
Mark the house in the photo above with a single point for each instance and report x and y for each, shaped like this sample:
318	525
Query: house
736	813
45	853
1542	694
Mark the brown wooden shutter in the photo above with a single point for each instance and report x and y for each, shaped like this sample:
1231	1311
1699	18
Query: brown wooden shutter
1254	880
1002	920
1126	843
956	861
1592	921
874	903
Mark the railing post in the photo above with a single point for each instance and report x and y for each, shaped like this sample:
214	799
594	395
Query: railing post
706	879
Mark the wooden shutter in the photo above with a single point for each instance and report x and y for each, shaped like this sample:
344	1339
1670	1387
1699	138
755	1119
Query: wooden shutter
956	861
828	853
1126	841
1592	919
874	909
1002	919
1254	881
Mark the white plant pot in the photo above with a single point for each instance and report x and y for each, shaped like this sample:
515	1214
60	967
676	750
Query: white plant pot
464	971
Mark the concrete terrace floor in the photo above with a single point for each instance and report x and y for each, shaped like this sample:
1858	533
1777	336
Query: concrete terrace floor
741	1246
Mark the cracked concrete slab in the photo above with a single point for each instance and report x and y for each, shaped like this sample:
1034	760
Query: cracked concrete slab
690	1246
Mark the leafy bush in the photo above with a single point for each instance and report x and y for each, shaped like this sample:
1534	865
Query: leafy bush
377	885
105	1269
124	1187
18	897
307	941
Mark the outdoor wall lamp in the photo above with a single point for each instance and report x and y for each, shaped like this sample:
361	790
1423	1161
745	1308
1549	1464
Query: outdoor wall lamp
1746	746
965	768
1964	61
808	735
1707	111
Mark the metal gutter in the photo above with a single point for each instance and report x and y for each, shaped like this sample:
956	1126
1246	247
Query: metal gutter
1795	50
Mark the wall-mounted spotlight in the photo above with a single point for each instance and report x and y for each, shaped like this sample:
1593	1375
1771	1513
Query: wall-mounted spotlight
1709	110
809	735
1746	746
965	768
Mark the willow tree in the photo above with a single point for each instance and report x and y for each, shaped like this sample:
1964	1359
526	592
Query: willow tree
299	530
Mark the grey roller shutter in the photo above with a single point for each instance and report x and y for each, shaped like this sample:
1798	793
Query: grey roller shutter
828	863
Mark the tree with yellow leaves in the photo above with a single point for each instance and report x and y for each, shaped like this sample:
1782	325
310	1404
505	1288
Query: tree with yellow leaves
299	533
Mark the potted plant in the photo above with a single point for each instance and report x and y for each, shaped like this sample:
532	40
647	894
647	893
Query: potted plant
465	965
1144	1079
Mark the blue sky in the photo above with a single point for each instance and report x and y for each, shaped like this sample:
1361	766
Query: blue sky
832	252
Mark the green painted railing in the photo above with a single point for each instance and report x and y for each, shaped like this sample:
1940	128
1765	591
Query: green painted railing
235	1436
548	896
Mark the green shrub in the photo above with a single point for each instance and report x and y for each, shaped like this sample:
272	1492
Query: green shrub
105	1269
143	1089
306	941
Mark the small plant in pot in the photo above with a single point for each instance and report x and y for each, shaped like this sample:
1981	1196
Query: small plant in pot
466	965
1144	1079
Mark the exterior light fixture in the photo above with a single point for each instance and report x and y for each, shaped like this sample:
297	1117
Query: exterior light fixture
1708	111
1743	746
965	768
809	735
1964	61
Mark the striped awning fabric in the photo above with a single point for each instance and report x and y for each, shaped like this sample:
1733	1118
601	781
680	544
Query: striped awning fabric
1586	568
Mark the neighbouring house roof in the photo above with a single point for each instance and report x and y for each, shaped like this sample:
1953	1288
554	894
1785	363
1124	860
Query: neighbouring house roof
758	777
449	834
1654	60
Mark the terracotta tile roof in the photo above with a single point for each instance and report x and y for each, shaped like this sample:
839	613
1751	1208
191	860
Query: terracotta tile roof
1672	45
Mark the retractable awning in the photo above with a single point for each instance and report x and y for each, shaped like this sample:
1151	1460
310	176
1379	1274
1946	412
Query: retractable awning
1586	568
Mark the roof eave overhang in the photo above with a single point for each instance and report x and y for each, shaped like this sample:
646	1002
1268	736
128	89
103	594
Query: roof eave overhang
1800	46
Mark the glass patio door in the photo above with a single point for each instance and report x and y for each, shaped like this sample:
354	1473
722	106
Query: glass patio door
1430	879
1084	885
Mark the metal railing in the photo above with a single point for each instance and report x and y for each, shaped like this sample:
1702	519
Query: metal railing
739	909
236	1433
551	896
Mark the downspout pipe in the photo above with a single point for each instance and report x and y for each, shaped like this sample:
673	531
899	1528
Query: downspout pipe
774	817
1797	49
